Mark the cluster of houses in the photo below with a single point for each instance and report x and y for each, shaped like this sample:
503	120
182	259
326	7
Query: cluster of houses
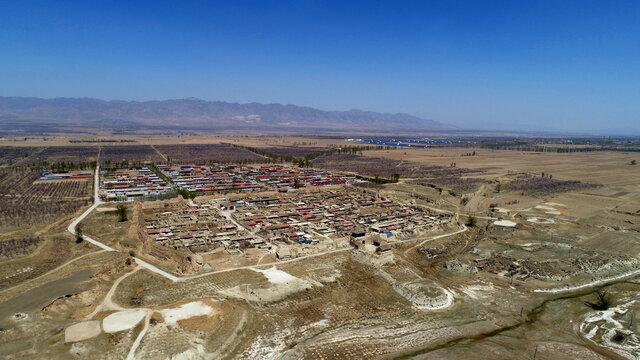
58	175
199	229
207	179
131	184
305	217
240	178
293	223
283	177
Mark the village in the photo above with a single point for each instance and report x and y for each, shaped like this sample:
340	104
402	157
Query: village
130	184
151	182
219	178
289	225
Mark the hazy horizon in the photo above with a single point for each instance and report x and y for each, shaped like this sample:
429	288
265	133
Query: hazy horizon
569	67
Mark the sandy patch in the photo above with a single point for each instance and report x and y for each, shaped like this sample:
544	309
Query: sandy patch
82	331
555	204
506	223
276	276
186	311
122	320
280	284
539	220
106	209
478	291
548	209
425	295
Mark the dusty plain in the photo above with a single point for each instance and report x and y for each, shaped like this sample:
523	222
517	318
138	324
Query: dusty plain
504	273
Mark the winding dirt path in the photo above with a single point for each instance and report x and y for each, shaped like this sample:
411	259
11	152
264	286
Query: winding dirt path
108	304
54	270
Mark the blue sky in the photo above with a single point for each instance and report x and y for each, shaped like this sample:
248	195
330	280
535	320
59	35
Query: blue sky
514	65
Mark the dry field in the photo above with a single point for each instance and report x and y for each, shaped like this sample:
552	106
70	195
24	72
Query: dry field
103	223
384	167
606	167
245	140
517	279
29	155
130	153
26	201
10	155
292	151
208	153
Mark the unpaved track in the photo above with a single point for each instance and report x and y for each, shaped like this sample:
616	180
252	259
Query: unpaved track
464	228
590	284
97	202
55	269
159	153
174	278
143	332
227	215
107	304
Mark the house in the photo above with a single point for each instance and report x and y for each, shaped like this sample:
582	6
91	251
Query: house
284	253
384	247
358	232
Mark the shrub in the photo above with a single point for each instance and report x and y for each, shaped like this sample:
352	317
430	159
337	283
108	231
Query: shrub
472	221
78	234
122	211
602	302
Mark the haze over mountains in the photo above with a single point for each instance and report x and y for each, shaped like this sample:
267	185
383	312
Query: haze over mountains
18	113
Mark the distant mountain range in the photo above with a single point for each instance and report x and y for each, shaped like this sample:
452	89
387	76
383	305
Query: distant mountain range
196	114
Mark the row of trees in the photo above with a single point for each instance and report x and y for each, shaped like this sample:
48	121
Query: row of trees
59	166
395	177
306	161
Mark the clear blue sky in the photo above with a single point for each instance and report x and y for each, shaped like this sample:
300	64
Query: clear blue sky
516	65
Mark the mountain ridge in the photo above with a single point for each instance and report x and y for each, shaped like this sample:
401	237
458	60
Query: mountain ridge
195	113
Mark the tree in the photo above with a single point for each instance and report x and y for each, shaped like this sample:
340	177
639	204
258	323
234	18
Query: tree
633	162
184	193
78	234
123	213
395	177
602	302
472	220
296	183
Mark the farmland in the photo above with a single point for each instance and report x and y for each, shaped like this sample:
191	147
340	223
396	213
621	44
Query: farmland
292	151
470	253
67	154
27	201
208	153
374	166
130	153
9	155
46	156
543	185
